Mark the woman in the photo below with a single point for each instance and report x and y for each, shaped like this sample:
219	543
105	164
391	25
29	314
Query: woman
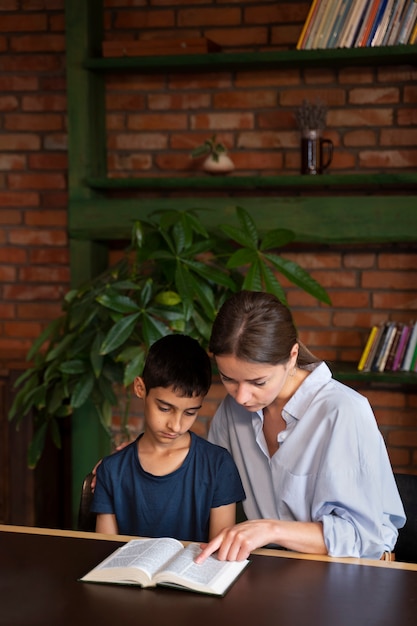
312	461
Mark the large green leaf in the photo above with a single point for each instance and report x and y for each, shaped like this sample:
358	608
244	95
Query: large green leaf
277	238
248	226
117	302
37	445
296	274
82	391
119	333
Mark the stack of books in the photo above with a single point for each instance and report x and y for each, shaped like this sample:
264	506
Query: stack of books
359	23
391	347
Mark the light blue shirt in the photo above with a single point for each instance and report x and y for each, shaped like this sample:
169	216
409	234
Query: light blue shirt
331	466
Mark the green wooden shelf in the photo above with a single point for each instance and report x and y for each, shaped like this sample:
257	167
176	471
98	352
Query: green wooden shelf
404	181
215	61
323	220
348	372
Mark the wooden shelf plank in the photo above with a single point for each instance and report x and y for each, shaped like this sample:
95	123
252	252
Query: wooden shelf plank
347	372
215	61
356	219
389	180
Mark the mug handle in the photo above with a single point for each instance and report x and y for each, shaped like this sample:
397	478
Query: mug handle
328	143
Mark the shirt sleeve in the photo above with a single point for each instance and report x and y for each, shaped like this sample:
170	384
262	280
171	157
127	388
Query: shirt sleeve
103	501
229	487
356	497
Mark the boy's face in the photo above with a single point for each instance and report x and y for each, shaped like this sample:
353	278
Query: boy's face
168	416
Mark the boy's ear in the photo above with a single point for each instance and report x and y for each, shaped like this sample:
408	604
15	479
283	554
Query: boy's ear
139	387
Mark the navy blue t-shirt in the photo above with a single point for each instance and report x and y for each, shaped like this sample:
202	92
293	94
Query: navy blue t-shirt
175	505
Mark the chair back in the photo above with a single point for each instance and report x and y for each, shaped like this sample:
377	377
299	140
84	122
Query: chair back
86	519
406	546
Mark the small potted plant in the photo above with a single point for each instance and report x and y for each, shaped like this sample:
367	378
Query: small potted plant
217	161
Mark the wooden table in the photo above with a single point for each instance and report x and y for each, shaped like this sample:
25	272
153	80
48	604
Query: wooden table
38	587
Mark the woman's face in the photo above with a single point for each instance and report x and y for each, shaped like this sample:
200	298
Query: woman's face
254	385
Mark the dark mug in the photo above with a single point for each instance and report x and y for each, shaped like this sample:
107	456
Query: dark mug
316	153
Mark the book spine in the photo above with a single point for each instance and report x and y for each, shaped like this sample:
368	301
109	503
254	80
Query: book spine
376	22
369	21
380	348
318	41
413	36
383	24
352	25
310	40
390	22
396	22
367	348
407	23
405	366
362	23
307	24
392	327
374	348
339	23
393	349
402	344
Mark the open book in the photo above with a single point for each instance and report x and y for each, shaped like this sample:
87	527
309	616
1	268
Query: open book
165	561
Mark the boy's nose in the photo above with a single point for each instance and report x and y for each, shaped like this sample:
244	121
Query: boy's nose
174	423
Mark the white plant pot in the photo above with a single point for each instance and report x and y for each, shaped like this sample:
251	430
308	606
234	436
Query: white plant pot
223	165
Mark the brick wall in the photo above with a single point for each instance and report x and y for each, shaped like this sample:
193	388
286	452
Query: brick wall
154	122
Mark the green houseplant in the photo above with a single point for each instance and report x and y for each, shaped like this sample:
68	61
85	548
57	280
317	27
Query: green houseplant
173	278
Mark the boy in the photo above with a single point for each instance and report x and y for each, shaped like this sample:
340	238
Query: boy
169	482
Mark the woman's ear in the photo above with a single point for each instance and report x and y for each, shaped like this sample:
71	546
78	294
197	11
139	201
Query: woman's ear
139	387
294	354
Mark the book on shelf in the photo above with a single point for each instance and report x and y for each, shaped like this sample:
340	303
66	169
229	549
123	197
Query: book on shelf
386	333
352	22
166	562
341	16
413	36
376	22
371	354
391	330
396	22
407	22
327	26
393	348
402	345
383	24
409	352
368	22
413	364
305	32
367	348
320	32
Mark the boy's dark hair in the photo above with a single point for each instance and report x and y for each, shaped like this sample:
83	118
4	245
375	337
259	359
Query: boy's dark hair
178	361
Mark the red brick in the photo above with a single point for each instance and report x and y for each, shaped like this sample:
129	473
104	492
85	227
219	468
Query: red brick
381	95
22	22
8	103
238	37
245	100
13	255
34	122
398	137
46	218
166	102
141	19
18	199
44	102
48	161
38	311
167	121
33	63
36	181
267	78
8	274
389	280
222	121
31	293
388	159
35	237
12	162
44	274
13	142
38	43
218	16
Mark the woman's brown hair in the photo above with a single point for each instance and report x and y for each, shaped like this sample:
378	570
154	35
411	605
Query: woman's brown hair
255	326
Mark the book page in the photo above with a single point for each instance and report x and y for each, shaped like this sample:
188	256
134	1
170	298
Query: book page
213	575
147	555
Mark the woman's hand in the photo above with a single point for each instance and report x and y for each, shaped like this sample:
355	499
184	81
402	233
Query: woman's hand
237	542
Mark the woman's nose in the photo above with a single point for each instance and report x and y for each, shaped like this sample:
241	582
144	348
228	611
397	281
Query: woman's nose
242	394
